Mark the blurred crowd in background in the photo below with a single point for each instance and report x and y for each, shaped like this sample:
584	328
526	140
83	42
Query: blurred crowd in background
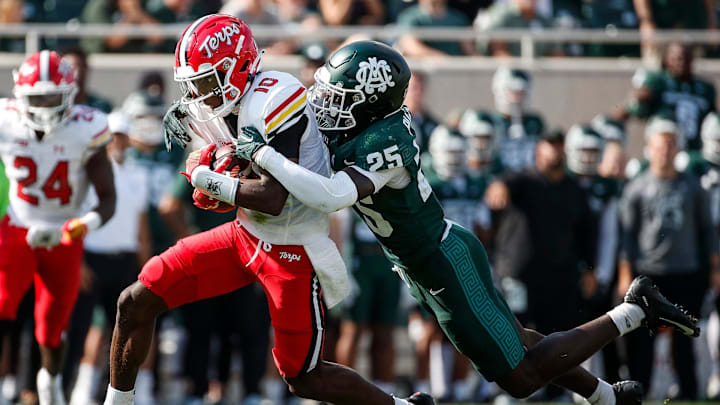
483	15
566	217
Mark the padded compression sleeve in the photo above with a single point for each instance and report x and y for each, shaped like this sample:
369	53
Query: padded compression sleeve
314	190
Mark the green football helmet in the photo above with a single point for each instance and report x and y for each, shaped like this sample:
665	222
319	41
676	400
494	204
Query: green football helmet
361	83
583	150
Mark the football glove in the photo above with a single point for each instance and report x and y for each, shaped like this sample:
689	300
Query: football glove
174	127
200	157
73	229
205	202
248	143
40	236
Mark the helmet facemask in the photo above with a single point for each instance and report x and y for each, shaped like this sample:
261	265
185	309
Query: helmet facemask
449	153
45	107
583	151
333	104
199	89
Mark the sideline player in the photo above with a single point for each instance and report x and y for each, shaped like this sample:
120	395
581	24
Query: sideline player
445	266
52	151
276	240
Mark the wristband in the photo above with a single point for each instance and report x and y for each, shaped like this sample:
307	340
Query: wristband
92	220
215	184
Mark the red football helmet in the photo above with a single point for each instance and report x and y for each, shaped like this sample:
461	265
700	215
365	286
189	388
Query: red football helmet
215	61
45	89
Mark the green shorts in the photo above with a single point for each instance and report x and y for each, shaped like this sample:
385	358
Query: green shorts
379	292
455	284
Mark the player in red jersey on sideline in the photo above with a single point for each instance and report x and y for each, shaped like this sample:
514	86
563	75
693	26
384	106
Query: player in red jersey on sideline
53	151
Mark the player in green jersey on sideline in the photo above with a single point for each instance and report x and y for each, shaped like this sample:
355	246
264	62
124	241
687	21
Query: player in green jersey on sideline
358	103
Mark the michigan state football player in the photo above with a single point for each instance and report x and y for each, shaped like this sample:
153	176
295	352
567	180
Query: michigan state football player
675	90
358	104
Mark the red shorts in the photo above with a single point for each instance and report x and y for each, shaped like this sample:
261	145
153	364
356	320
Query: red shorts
56	273
228	257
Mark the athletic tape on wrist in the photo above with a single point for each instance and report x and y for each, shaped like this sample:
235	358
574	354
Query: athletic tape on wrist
214	184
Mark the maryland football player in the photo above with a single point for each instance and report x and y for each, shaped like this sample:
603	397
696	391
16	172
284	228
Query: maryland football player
52	151
277	240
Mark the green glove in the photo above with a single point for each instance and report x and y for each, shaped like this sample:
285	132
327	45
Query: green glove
173	126
248	142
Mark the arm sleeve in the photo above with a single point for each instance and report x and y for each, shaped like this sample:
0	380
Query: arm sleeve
314	190
382	177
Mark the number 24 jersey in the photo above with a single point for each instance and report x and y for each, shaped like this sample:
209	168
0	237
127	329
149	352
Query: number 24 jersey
48	181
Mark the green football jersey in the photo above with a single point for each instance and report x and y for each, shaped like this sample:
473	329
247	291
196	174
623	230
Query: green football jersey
600	190
516	143
408	222
461	198
687	102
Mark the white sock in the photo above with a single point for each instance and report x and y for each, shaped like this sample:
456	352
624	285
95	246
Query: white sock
400	401
116	397
627	317
85	384
49	388
603	395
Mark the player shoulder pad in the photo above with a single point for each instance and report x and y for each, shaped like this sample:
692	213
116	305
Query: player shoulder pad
276	100
92	124
8	109
387	144
534	124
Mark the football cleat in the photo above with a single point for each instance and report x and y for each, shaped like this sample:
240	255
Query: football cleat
420	398
658	310
628	393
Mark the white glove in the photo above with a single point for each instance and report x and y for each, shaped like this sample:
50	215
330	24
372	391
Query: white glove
43	236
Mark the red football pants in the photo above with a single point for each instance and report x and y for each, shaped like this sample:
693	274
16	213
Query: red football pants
228	257
55	272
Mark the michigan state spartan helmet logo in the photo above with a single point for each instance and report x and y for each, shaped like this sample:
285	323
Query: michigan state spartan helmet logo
361	83
374	75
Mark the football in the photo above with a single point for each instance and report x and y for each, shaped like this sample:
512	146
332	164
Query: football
237	168
205	202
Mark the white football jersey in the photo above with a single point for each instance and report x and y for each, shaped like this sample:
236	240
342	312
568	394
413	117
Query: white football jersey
48	181
274	102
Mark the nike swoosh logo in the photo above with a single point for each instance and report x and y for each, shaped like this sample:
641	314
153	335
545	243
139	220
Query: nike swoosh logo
684	329
348	163
436	292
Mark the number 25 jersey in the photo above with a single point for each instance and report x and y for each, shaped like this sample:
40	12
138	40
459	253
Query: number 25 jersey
407	219
48	181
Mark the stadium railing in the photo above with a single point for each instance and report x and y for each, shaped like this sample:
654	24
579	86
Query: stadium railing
528	39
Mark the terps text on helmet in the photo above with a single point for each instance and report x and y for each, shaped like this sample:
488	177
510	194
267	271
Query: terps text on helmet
225	34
